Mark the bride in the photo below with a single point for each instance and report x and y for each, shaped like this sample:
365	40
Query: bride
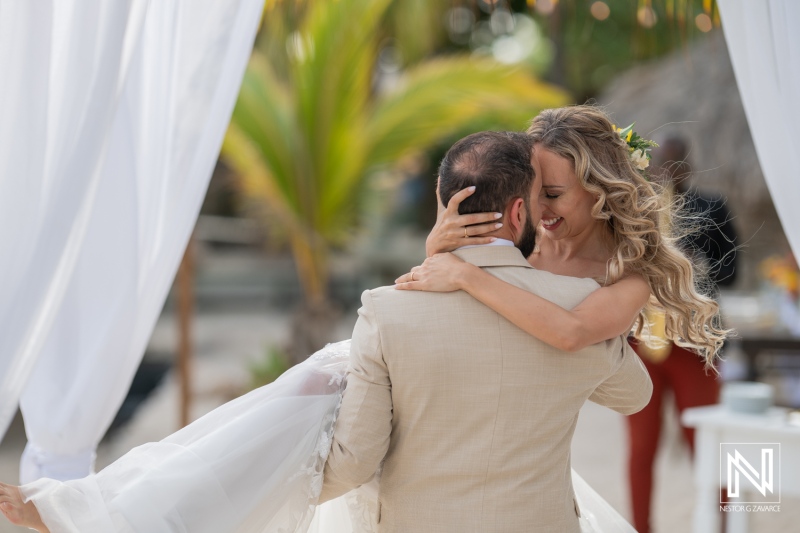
255	464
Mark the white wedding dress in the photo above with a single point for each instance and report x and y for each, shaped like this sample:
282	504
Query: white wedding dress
253	465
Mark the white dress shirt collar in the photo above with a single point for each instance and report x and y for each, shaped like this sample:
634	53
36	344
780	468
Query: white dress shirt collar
498	242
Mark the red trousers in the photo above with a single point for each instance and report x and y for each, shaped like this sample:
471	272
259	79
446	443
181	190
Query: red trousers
682	372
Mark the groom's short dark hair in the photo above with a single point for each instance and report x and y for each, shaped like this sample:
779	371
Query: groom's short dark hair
497	163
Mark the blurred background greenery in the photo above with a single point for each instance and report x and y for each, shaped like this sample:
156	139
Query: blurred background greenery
347	106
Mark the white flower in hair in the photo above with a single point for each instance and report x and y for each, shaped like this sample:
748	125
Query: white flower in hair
638	148
640	159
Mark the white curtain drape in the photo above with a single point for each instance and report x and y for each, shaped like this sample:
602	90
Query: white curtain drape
182	66
764	45
59	89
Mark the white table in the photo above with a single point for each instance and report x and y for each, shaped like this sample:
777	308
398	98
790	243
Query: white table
716	424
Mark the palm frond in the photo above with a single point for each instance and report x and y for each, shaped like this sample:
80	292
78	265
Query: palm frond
256	179
417	28
333	76
309	131
263	114
438	97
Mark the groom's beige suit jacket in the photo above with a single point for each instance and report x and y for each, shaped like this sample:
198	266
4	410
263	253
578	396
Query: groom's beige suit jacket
472	416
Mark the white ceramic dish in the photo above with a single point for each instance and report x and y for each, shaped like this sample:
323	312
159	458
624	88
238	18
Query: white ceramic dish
748	397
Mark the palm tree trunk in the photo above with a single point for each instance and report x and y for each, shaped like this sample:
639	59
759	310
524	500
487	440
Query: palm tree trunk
314	321
312	267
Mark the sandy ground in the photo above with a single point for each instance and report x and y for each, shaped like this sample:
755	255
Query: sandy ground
225	342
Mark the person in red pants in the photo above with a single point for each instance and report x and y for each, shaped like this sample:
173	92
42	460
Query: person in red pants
671	367
683	373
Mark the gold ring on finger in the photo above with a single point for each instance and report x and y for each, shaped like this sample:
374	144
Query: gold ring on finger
412	277
465	233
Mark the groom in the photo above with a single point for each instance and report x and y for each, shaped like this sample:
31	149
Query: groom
471	416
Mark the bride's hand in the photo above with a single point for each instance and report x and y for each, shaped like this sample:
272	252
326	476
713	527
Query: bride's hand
452	230
439	273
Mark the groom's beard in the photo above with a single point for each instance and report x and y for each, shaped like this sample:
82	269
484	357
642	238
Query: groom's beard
527	241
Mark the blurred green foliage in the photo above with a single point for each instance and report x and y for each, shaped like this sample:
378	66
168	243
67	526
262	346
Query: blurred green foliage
590	51
344	100
326	106
268	368
590	40
338	92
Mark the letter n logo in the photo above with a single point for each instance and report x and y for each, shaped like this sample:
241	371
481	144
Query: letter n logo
748	469
762	482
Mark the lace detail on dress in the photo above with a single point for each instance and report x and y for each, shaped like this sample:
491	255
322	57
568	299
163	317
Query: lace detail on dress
363	511
334	350
333	356
322	451
315	468
334	363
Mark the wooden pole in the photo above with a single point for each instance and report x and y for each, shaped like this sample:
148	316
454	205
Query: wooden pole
185	294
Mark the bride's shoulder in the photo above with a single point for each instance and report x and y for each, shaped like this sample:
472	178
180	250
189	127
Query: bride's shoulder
634	284
634	279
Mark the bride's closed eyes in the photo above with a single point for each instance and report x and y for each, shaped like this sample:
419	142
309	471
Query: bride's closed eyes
552	191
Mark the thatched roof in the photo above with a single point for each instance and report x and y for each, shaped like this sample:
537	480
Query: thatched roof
692	93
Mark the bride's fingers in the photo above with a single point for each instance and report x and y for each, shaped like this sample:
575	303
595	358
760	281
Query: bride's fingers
473	219
409	276
462	227
409	286
455	224
457	198
480	229
467	220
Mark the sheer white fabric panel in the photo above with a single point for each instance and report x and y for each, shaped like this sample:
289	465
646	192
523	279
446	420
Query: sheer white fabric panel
764	45
252	465
184	76
63	65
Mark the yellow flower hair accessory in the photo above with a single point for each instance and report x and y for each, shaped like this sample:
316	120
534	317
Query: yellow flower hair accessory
638	147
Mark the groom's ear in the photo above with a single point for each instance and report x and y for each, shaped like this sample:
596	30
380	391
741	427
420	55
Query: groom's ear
516	216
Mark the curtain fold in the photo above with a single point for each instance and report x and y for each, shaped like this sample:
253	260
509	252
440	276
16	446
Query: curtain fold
58	95
155	122
764	45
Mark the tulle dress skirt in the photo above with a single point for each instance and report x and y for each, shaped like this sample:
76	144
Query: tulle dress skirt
252	465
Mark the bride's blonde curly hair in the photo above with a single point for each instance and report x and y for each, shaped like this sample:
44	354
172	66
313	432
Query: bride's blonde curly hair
642	222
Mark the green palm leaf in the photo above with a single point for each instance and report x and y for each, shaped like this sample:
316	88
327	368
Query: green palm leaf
309	131
439	96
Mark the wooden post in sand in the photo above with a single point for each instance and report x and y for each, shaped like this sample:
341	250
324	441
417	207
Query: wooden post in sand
185	295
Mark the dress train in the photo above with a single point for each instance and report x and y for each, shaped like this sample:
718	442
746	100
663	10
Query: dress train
252	465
